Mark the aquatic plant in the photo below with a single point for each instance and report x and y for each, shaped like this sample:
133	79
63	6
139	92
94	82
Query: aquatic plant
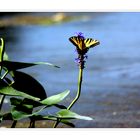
82	46
28	99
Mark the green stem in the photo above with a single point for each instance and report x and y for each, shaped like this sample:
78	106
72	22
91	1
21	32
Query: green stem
77	95
79	89
2	49
14	124
1	101
56	123
32	123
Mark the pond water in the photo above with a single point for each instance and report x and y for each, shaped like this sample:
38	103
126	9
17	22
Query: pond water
111	68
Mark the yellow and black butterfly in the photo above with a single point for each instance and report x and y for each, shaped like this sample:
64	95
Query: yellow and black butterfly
83	44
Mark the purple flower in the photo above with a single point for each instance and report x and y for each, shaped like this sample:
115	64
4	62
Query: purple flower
86	56
81	60
77	60
80	35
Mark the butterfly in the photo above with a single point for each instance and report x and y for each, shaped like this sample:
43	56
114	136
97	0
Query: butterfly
83	44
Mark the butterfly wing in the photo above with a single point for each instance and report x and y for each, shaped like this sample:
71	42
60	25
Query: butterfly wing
78	42
89	42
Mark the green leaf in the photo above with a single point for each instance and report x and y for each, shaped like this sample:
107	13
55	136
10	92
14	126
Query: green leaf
21	104
18	114
9	91
15	101
67	122
7	116
53	118
31	102
5	57
2	49
67	114
29	85
60	106
40	117
55	98
12	66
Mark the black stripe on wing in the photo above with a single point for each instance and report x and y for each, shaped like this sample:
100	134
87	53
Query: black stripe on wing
89	42
74	40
